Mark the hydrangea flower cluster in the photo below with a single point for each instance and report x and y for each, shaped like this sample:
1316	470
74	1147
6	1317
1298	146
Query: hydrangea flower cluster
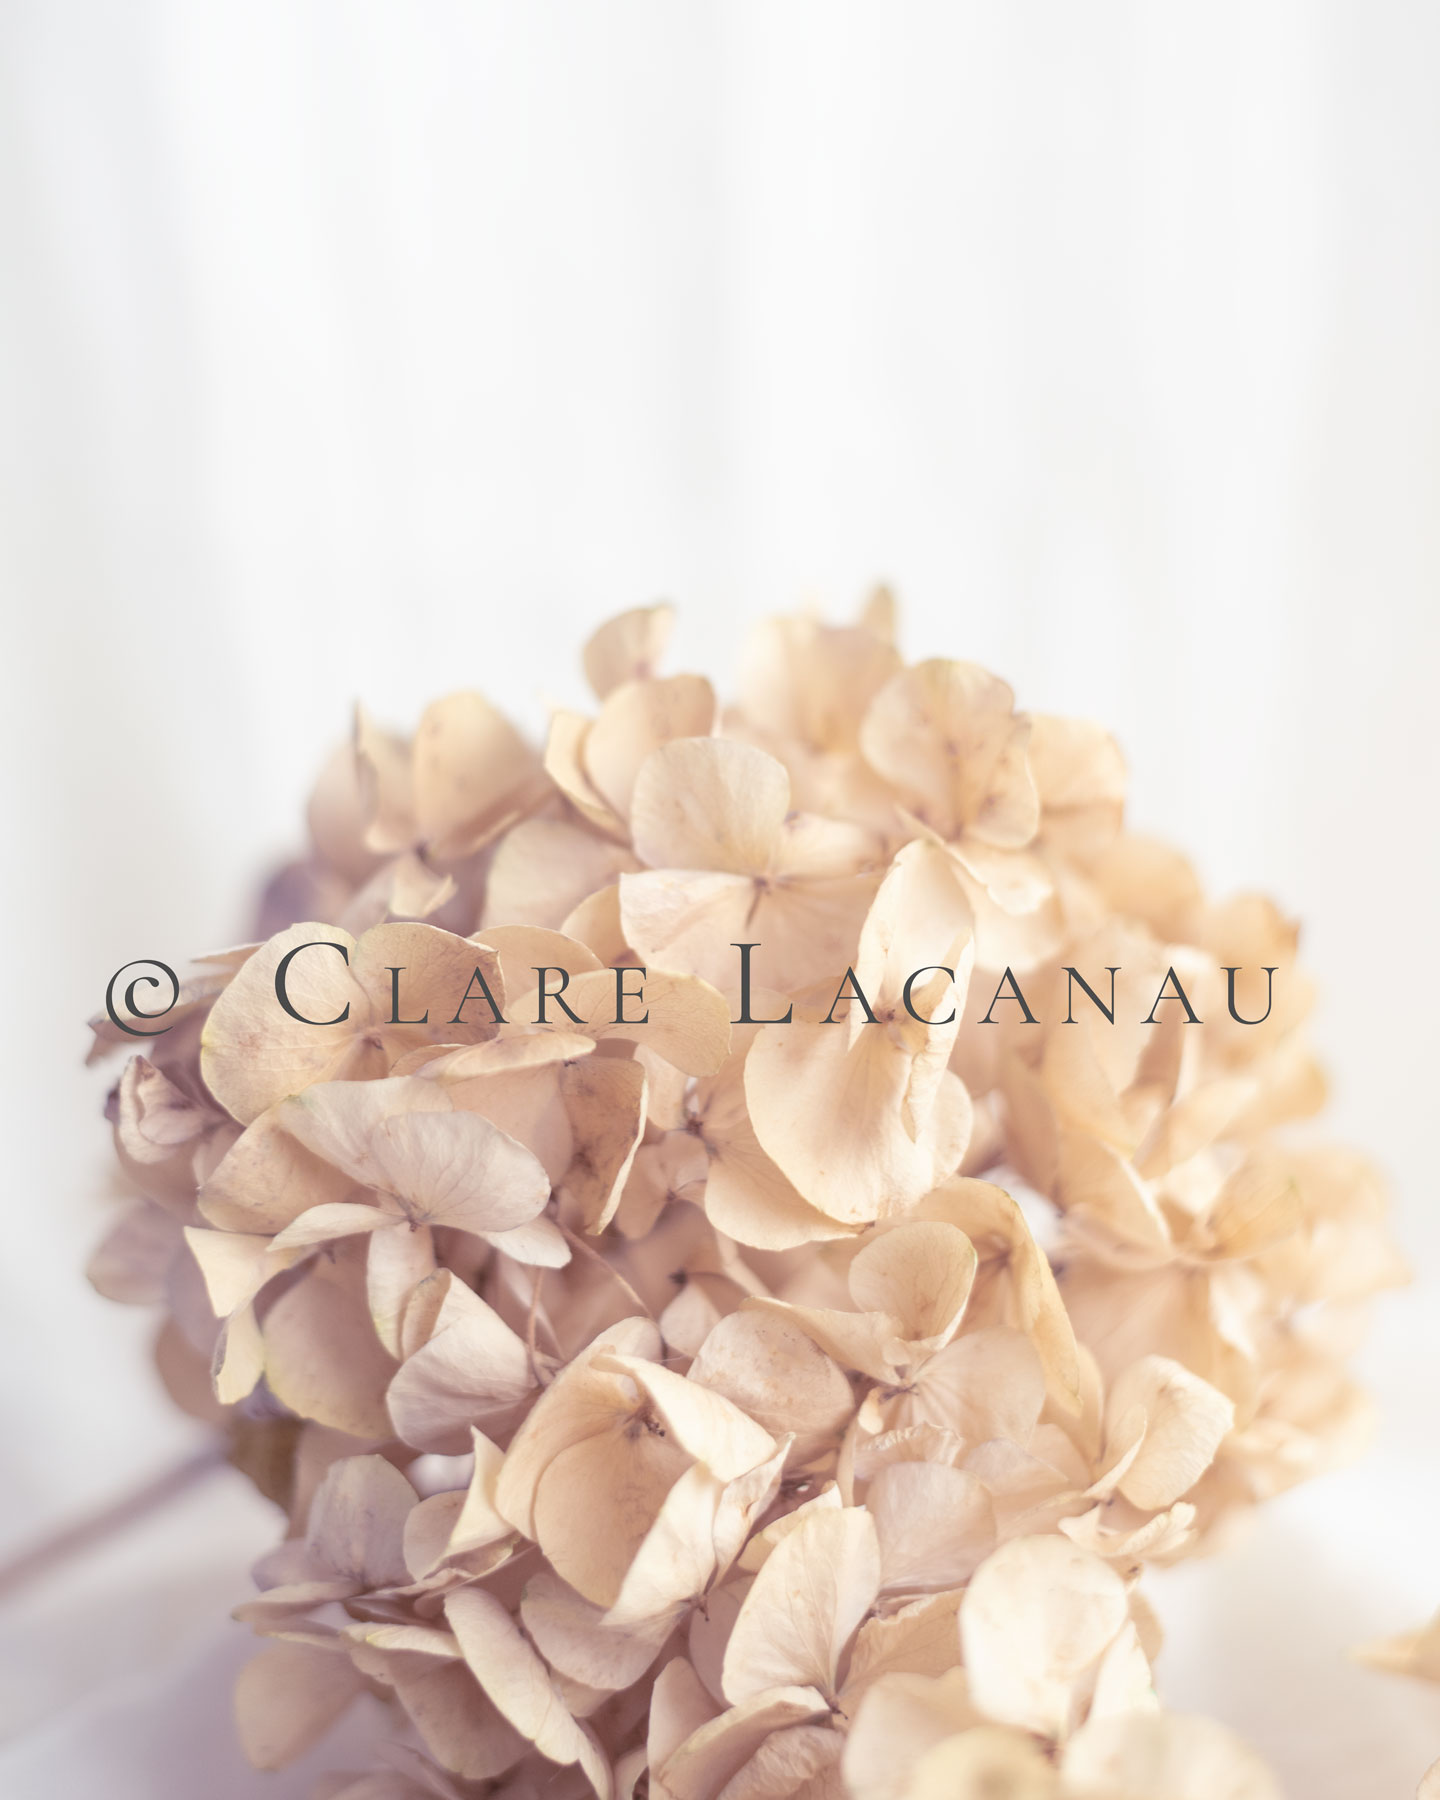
735	1240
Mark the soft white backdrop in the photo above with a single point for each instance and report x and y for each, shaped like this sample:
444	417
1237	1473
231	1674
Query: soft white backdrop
376	349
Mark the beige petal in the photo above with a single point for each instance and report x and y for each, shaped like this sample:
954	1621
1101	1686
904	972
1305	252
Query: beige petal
253	1053
525	1104
1016	1266
690	921
1037	1616
460	1725
429	1527
154	1117
935	1525
288	1697
987	1763
1185	1422
764	1543
807	1601
812	682
580	1402
1137	1755
398	1262
867	1118
524	949
747	1196
382	775
595	922
679	1706
543	869
322	1224
235	1265
676	1558
1259	1207
239	1359
1123	1683
987	1384
624	1482
578	1640
709	803
132	1263
699	1769
743	1502
473	774
921	1274
479	1521
565	765
922	1638
322	1357
443	1167
540	1244
867	1342
515	1679
605	1098
356	1526
473	1369
778	1375
900	1718
1080	777
800	1763
1161	1538
704	1423
841	1121
946	735
636	719
627	647
267	1179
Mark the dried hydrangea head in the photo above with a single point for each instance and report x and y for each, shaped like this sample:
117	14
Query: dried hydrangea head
732	1374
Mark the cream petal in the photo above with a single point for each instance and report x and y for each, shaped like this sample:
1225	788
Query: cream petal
544	868
579	1640
473	774
799	1763
516	1681
704	1423
987	1763
581	1401
777	1374
900	1718
935	1525
268	1178
1185	1422
627	647
946	735
1136	1755
288	1697
807	1602
676	1558
356	1527
474	1368
605	1098
987	1384
1037	1616
716	1751
637	717
920	1273
709	803
322	1357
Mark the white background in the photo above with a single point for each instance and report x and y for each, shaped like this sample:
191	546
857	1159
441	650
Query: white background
380	349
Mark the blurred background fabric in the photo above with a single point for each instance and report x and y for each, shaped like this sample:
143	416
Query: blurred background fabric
376	349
